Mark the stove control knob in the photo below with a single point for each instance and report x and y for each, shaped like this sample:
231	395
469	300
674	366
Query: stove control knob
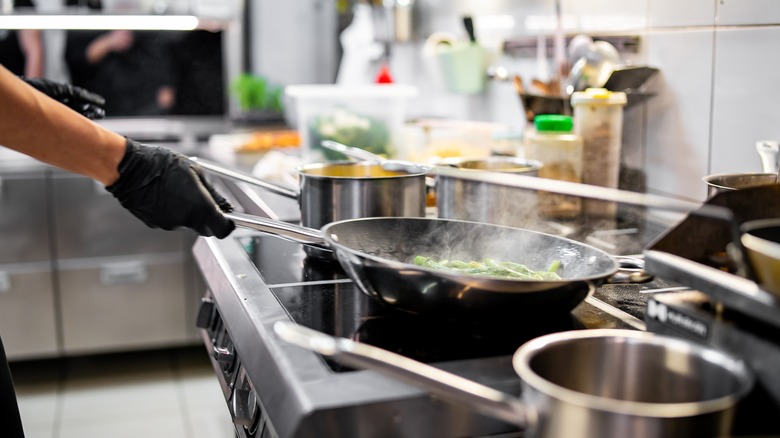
205	313
243	407
223	356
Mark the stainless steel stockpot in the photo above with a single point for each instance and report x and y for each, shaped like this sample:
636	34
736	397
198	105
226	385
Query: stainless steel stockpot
459	198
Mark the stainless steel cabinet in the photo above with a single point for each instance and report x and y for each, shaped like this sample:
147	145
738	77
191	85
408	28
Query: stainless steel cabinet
121	283
89	222
24	216
80	274
27	300
122	303
27	311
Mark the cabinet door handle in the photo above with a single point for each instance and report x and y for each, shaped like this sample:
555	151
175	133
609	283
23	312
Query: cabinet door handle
5	282
133	272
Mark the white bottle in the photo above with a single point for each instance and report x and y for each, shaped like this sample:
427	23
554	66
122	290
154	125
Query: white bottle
360	49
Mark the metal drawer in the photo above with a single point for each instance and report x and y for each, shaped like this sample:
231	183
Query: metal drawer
91	223
123	303
27	321
24	226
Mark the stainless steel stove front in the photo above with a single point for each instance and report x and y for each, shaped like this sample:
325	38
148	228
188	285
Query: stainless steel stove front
275	389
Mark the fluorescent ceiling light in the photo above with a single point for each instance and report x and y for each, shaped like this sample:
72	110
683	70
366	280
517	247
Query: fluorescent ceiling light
99	22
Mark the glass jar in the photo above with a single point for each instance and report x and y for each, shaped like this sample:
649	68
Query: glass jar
559	149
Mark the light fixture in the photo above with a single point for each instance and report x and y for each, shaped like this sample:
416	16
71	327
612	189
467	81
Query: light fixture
99	22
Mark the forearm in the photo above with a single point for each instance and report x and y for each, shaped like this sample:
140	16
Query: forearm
32	45
98	49
35	125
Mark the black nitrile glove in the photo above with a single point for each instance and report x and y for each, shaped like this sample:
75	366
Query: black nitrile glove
86	103
167	190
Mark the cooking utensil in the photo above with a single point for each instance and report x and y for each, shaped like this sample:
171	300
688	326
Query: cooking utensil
377	255
344	190
594	68
768	151
761	239
585	383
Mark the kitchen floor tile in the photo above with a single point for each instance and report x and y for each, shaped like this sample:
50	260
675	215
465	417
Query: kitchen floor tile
165	394
138	426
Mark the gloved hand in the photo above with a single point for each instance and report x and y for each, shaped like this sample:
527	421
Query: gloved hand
86	103
167	190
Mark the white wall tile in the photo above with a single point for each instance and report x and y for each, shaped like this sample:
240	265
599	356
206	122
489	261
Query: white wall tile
676	13
736	12
746	100
678	125
606	15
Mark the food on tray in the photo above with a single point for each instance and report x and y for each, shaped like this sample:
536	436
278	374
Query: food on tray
267	140
490	268
351	129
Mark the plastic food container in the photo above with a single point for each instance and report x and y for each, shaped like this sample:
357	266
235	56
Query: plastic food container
598	119
369	117
559	149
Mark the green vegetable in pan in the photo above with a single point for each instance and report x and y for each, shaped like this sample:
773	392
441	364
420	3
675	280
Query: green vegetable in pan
490	268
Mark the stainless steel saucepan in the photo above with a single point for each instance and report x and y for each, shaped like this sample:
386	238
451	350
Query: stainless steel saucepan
336	191
583	383
768	151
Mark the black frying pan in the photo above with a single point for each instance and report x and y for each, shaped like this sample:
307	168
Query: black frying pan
377	254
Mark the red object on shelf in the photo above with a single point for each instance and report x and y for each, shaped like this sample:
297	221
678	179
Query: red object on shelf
384	76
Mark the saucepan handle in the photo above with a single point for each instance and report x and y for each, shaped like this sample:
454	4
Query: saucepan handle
244	177
447	385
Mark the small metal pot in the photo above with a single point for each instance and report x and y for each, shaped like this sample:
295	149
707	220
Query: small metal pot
768	151
726	182
330	192
458	198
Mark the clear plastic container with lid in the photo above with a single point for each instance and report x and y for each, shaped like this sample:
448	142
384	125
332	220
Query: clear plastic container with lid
598	119
559	149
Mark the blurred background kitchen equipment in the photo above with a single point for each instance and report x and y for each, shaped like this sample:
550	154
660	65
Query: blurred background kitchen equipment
462	63
593	69
370	117
594	64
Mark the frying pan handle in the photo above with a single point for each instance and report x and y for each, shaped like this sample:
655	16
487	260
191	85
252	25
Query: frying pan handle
241	176
447	385
296	233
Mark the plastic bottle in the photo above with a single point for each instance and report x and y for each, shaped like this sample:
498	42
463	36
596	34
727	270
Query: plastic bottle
598	119
554	143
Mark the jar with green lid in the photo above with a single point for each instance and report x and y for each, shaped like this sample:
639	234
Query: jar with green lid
554	143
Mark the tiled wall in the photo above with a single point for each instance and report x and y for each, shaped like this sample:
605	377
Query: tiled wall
717	94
